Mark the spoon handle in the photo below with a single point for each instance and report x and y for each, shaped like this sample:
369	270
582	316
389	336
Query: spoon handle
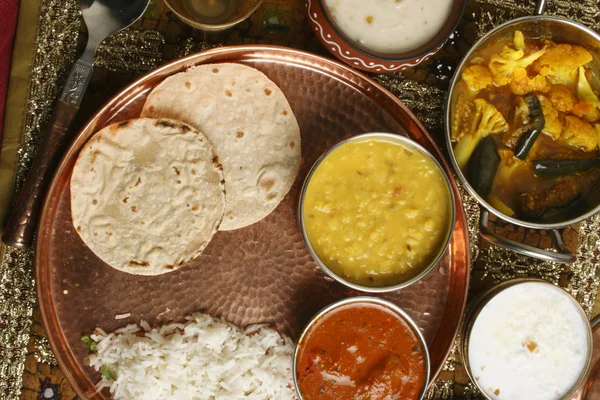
23	219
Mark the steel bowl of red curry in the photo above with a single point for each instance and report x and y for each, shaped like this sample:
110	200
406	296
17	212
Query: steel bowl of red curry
361	348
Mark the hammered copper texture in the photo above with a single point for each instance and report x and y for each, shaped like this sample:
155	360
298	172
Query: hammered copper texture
262	273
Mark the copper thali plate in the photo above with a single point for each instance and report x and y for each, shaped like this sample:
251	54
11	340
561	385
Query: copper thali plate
262	273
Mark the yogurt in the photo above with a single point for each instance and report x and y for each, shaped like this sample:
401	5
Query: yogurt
390	26
529	342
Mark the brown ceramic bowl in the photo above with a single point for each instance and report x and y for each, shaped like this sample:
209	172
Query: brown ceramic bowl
357	56
223	14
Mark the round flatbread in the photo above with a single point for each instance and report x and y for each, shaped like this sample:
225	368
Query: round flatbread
147	195
250	123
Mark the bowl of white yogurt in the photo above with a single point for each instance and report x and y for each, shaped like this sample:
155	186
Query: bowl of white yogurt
527	339
384	35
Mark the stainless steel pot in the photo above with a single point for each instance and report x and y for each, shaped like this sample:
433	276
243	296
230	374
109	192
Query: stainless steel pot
560	30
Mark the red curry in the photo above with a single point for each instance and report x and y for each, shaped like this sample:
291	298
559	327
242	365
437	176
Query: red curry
361	351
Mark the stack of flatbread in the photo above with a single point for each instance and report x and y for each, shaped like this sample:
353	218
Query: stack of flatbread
216	148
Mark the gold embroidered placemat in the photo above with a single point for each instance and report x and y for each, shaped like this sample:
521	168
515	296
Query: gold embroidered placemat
50	34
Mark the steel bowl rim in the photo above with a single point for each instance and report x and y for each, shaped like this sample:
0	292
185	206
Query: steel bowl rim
212	27
430	49
448	123
364	299
482	300
450	227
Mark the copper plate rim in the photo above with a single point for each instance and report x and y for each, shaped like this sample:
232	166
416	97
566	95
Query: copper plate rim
64	356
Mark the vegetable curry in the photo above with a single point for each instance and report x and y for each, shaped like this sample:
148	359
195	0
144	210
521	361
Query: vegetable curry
525	129
361	351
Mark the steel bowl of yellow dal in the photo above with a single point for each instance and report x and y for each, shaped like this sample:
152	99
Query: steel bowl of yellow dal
377	212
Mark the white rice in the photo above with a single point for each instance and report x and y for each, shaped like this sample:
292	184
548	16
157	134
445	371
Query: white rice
205	358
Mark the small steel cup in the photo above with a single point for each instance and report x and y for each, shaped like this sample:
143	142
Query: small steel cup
363	300
485	298
450	223
219	15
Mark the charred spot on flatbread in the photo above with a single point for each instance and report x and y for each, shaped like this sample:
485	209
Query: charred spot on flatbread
266	183
95	155
134	263
164	123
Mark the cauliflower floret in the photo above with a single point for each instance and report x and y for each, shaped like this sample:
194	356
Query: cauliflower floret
504	64
579	133
554	125
509	170
487	121
586	110
500	205
477	77
464	110
519	40
508	167
589	103
521	84
562	97
560	63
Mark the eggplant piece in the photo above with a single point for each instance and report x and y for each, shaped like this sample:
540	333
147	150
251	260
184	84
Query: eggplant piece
532	126
550	168
544	205
483	165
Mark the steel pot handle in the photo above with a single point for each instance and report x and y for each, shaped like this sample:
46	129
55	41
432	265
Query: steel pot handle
562	255
540	7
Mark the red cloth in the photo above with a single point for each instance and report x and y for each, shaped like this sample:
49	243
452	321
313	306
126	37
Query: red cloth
8	25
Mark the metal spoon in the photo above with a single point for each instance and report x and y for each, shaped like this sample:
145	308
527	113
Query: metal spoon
103	18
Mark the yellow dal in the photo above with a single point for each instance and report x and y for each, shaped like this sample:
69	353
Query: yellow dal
376	212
